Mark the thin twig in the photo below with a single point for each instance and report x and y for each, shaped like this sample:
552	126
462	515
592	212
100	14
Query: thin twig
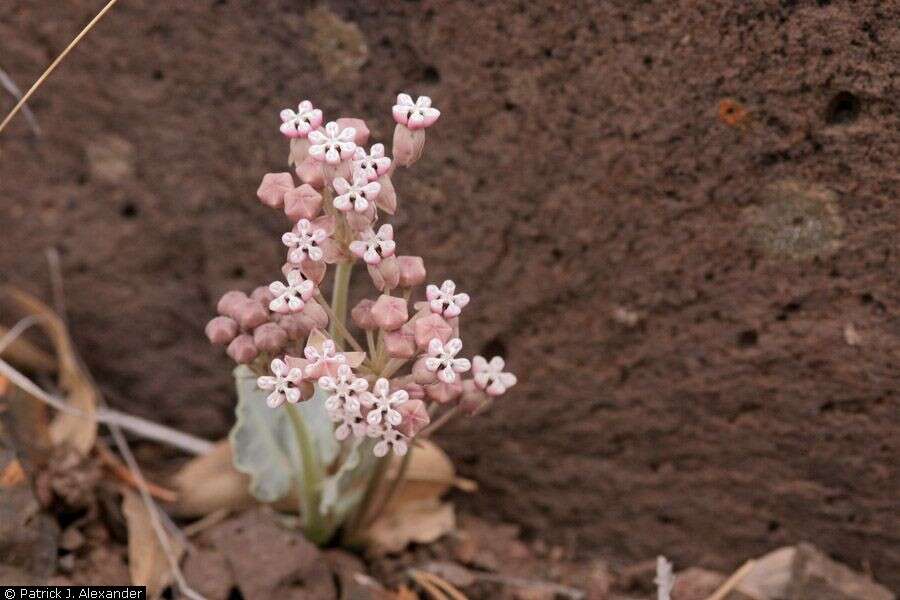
393	486
108	416
54	64
341	328
155	515
123	473
11	87
56	284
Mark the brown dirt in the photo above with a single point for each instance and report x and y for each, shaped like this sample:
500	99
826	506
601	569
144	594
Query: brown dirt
675	281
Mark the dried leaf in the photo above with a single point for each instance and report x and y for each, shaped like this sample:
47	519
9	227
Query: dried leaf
423	521
147	561
12	474
430	474
75	431
404	593
209	483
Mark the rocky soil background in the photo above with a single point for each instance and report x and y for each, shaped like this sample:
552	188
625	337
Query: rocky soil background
678	220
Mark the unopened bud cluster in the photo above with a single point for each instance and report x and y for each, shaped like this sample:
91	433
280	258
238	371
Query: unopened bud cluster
411	363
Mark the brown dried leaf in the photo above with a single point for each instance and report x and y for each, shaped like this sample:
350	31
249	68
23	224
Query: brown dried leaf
75	431
210	482
147	562
429	475
422	521
23	353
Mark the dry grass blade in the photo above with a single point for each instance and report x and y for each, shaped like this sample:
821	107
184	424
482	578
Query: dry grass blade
732	581
22	352
54	64
11	87
445	588
126	476
66	428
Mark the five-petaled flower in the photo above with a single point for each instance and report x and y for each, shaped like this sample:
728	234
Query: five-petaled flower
415	115
374	164
351	421
372	247
391	439
382	404
355	196
304	242
299	124
293	296
442	359
282	385
444	301
333	145
345	388
490	376
324	362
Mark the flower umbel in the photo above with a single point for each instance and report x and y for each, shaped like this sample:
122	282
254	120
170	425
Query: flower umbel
442	359
282	384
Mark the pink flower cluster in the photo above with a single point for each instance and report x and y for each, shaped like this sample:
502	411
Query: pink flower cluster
334	198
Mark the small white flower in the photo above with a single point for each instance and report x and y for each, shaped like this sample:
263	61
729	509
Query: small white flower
442	359
415	115
356	196
444	301
299	124
334	145
374	246
281	385
391	439
373	164
382	404
490	376
326	362
293	296
345	388
304	242
351	422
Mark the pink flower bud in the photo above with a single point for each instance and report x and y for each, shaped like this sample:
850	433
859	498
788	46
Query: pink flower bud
390	312
362	130
242	349
303	202
221	330
386	274
421	374
310	173
313	270
473	400
400	343
412	271
362	315
250	314
270	338
415	417
415	391
443	392
263	295
297	326
408	145
431	327
230	302
273	188
361	221
387	197
316	313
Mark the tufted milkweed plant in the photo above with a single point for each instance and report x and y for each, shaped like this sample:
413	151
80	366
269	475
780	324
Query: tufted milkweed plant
325	403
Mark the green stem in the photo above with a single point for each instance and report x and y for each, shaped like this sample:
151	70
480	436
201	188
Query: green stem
354	527
339	299
309	481
374	513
